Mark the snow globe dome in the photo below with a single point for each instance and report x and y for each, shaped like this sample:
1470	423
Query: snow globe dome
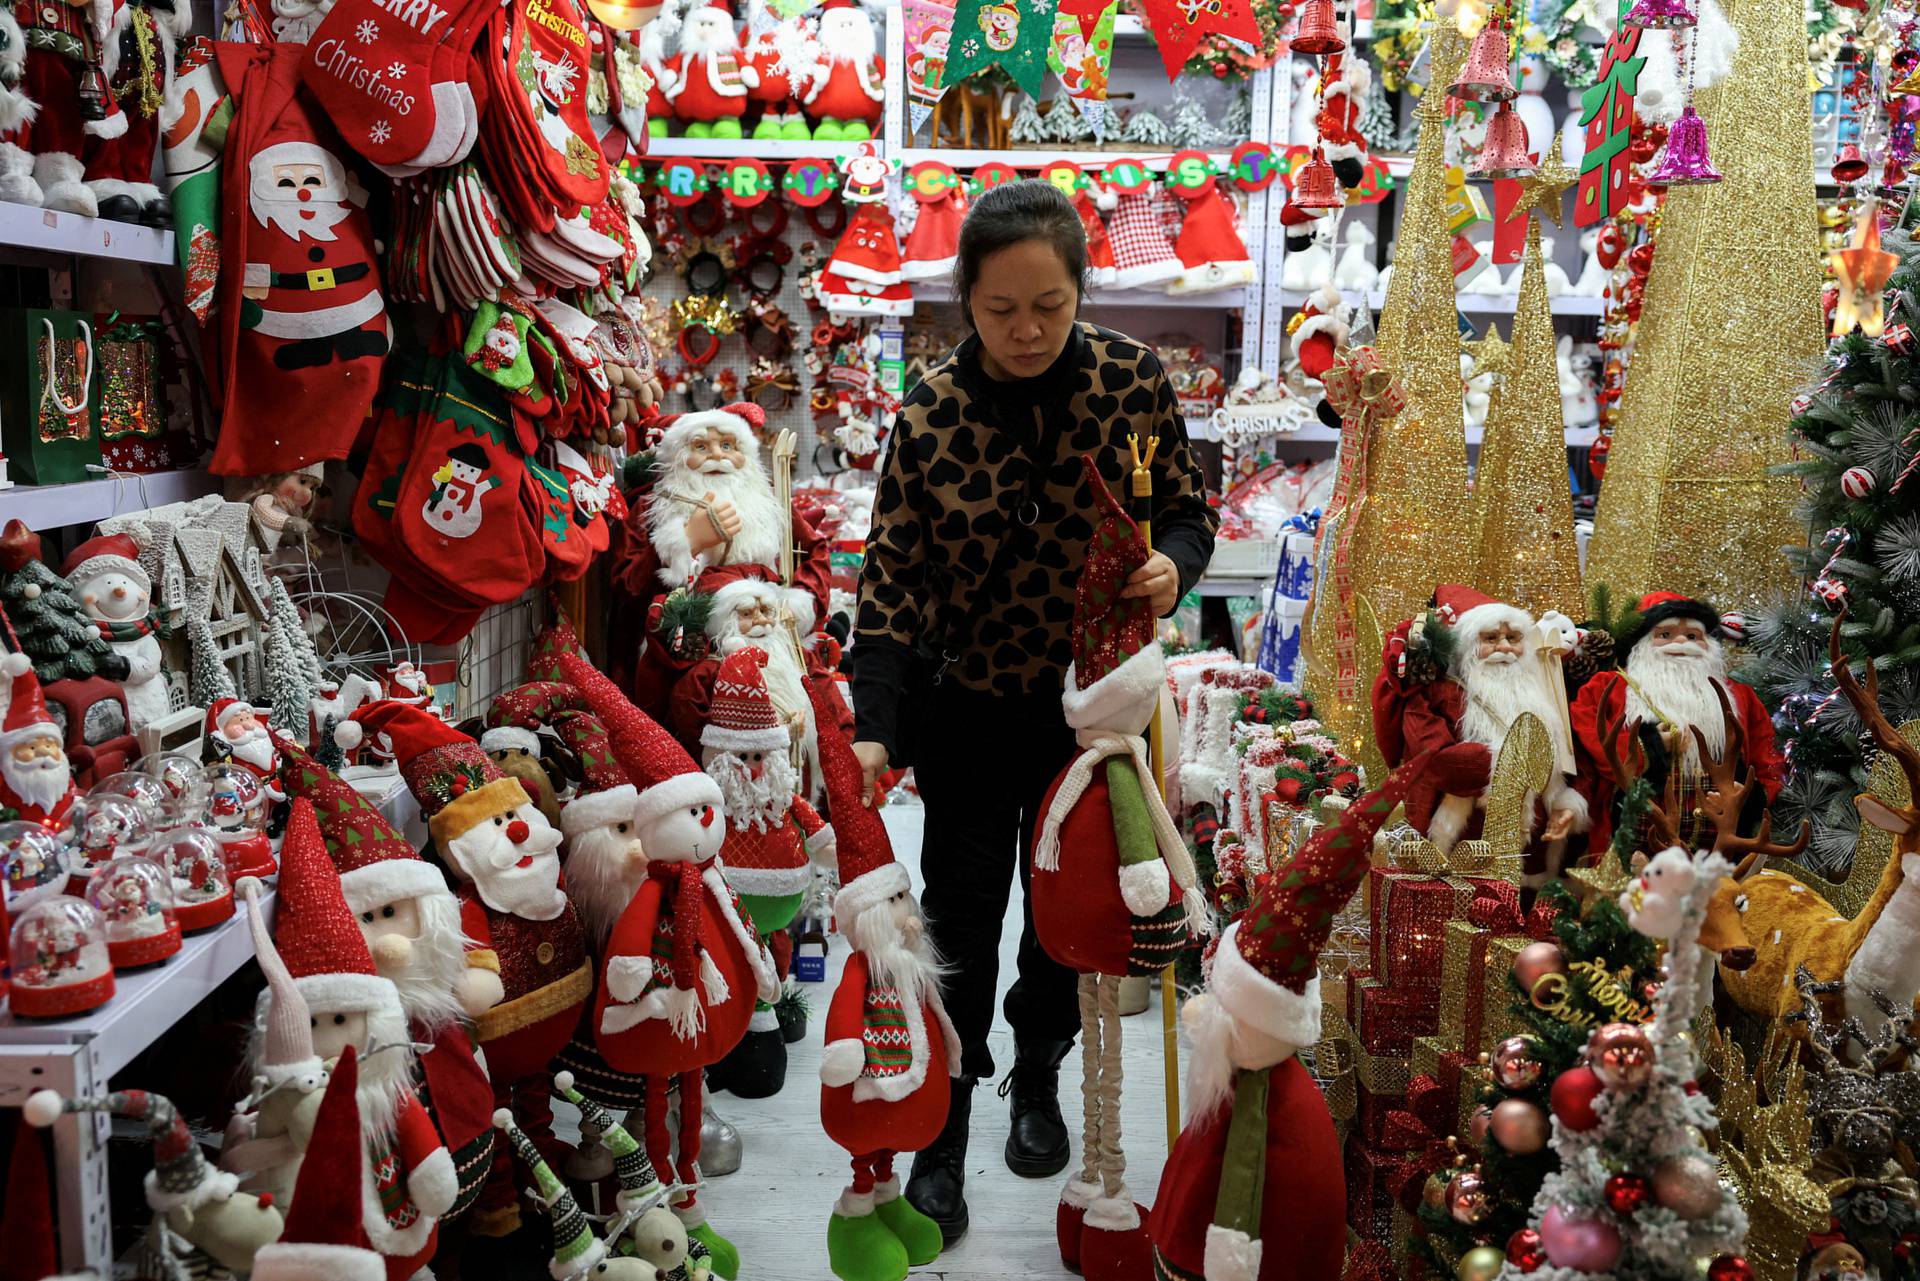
197	866
61	965
175	769
134	897
230	800
151	793
98	829
33	863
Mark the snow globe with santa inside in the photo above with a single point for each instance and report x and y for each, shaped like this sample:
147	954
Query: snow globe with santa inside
134	896
34	863
197	867
60	961
176	770
151	794
98	829
228	799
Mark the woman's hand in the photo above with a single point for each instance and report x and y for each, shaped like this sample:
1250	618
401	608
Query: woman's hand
1158	581
873	763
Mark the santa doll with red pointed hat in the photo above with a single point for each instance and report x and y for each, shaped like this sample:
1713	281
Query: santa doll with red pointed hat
323	1239
1253	1189
850	83
891	1051
1114	889
1319	330
709	77
683	968
407	1178
36	780
1672	685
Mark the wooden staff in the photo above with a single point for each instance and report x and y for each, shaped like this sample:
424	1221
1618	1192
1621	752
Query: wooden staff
783	458
1169	1026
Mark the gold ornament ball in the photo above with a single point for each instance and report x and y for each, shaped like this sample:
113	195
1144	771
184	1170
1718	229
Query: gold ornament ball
1434	1193
1535	962
1482	1263
1621	1055
1688	1185
1516	1063
1519	1127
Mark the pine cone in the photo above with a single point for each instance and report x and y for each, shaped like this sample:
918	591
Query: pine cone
1596	655
1421	669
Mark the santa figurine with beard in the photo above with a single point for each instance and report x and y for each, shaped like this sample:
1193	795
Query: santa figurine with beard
1487	668
36	780
411	923
682	970
236	732
514	913
709	78
850	83
1672	685
709	518
773	837
891	1052
1257	1161
407	1179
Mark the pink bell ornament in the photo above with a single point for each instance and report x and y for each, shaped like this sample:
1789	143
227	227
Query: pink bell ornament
1504	154
1487	75
1661	15
1685	162
1316	186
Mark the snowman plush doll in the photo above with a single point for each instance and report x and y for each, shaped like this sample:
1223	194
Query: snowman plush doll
115	591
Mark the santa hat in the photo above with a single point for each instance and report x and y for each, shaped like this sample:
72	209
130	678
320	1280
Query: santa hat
658	766
181	1178
740	717
1142	254
222	710
1212	253
575	1249
1656	608
1319	330
506	738
376	863
26	708
286	1046
869	876
1117	668
740	421
605	795
1469	612
555	639
106	553
517	715
317	935
457	785
26	1212
730	596
640	1187
323	1239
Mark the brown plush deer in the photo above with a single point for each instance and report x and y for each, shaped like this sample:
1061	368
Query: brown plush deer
1791	926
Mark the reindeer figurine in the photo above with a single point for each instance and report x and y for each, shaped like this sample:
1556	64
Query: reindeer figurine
1791	926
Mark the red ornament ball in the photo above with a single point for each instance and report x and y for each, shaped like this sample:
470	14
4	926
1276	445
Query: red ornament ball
1626	1194
1524	1250
1730	1267
1857	482
1573	1093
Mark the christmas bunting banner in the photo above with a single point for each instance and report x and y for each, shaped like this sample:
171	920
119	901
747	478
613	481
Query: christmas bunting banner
929	28
1016	34
1081	55
1178	26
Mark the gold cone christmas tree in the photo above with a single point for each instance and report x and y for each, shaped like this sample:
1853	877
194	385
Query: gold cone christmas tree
1522	505
1731	327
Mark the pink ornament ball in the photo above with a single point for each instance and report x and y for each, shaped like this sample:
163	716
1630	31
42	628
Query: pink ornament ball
1857	482
1577	1242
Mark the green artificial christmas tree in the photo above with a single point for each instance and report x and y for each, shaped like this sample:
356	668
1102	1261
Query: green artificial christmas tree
1857	441
207	677
289	664
48	623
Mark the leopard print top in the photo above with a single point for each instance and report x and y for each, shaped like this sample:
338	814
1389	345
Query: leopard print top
956	470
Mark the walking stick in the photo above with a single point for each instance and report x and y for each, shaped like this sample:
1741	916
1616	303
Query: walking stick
1169	1027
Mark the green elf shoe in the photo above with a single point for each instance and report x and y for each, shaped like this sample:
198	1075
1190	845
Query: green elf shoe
919	1234
725	1255
860	1247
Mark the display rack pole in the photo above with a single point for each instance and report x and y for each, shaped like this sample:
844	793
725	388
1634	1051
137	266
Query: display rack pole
1169	1027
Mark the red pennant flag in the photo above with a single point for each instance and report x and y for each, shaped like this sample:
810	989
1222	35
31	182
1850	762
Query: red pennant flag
1178	26
1086	13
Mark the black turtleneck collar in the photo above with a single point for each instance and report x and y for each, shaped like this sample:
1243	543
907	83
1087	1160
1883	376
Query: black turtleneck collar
1020	392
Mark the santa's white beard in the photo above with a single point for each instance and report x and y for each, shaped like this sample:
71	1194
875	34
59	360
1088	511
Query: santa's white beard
849	38
255	747
703	37
314	219
602	880
40	782
1498	692
436	965
386	1069
901	961
675	501
757	803
486	857
1210	1055
1682	682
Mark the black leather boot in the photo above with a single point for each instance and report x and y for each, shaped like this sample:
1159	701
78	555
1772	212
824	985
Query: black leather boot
1037	1145
936	1186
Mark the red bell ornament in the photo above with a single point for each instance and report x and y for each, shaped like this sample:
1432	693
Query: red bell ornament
1316	187
1319	30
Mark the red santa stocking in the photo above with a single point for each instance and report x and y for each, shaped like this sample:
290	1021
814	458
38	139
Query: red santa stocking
370	65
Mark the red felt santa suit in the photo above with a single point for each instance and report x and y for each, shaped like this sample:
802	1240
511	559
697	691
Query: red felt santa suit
62	39
899	1101
851	84
545	974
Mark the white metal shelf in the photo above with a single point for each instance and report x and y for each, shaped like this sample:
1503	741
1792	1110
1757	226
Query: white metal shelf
87	501
1320	433
1035	157
758	148
1491	304
46	231
939	291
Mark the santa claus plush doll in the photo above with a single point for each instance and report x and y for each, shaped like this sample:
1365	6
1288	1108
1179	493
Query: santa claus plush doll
1253	1189
407	1177
784	54
1114	890
850	82
1670	688
891	1052
1347	80
709	80
36	781
1476	665
77	111
106	574
683	968
1319	330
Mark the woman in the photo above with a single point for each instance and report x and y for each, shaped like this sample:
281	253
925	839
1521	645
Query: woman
966	610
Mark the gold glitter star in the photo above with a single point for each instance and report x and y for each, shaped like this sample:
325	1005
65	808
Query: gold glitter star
1543	189
1489	354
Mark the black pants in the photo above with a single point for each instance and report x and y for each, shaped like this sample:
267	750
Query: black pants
985	764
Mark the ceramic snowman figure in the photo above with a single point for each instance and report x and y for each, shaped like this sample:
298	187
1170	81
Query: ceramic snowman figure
1577	405
105	574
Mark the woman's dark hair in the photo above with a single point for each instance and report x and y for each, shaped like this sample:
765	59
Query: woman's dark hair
1013	212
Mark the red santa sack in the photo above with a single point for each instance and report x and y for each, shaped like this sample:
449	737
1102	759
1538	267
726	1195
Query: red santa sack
302	321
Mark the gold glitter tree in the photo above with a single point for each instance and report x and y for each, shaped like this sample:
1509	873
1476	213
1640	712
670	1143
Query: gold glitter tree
1525	551
1731	325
